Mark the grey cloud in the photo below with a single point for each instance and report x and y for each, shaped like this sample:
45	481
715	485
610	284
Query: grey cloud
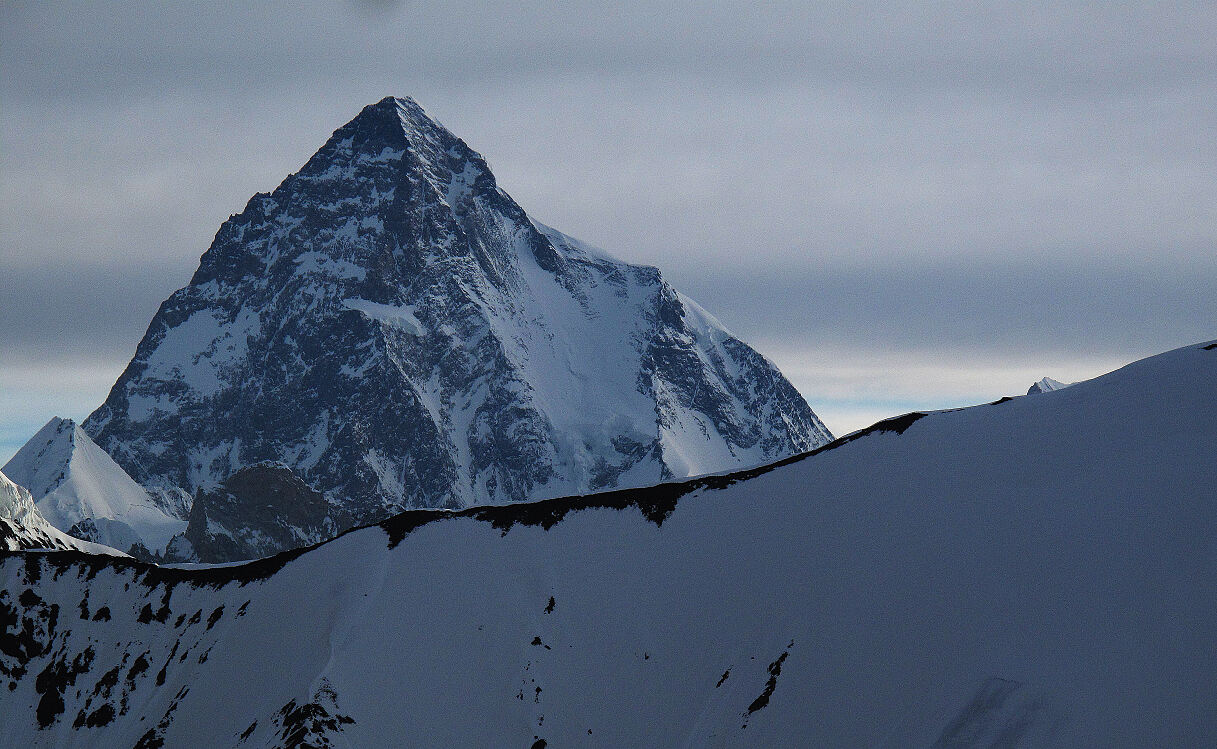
782	174
986	310
983	310
1065	49
989	180
78	315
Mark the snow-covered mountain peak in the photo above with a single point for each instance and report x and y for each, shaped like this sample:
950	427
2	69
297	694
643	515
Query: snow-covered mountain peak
1046	385
39	463
81	491
395	329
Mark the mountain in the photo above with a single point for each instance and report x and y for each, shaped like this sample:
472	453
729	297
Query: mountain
23	527
396	330
81	491
1046	385
1032	573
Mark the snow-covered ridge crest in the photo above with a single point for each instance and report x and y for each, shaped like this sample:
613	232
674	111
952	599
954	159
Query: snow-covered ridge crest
1025	574
394	328
568	245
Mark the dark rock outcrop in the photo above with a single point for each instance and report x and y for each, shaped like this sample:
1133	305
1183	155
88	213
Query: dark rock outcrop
256	512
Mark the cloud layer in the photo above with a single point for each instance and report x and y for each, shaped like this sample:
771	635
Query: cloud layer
903	205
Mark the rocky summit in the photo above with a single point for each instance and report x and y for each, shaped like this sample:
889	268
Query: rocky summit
393	328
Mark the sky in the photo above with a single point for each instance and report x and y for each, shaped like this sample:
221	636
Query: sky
904	206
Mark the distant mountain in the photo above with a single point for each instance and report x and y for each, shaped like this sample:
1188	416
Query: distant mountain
22	526
85	494
1033	573
1046	385
394	328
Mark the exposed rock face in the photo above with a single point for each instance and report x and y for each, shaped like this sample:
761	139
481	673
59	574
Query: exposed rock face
255	512
394	328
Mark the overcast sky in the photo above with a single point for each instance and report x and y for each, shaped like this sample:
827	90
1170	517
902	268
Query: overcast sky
904	206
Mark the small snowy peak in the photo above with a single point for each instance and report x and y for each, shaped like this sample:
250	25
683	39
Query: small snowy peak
80	490
39	464
1046	385
23	528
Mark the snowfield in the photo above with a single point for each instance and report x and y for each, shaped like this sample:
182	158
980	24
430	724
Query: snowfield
1035	572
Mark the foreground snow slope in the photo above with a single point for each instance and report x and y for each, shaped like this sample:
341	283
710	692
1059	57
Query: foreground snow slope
82	491
1037	572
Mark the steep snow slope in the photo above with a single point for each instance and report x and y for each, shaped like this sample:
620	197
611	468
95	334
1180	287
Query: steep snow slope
22	526
395	329
1036	572
83	492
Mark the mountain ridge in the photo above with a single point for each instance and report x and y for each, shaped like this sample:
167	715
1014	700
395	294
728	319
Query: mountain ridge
956	578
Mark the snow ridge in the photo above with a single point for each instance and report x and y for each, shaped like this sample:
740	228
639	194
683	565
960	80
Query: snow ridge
1026	574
